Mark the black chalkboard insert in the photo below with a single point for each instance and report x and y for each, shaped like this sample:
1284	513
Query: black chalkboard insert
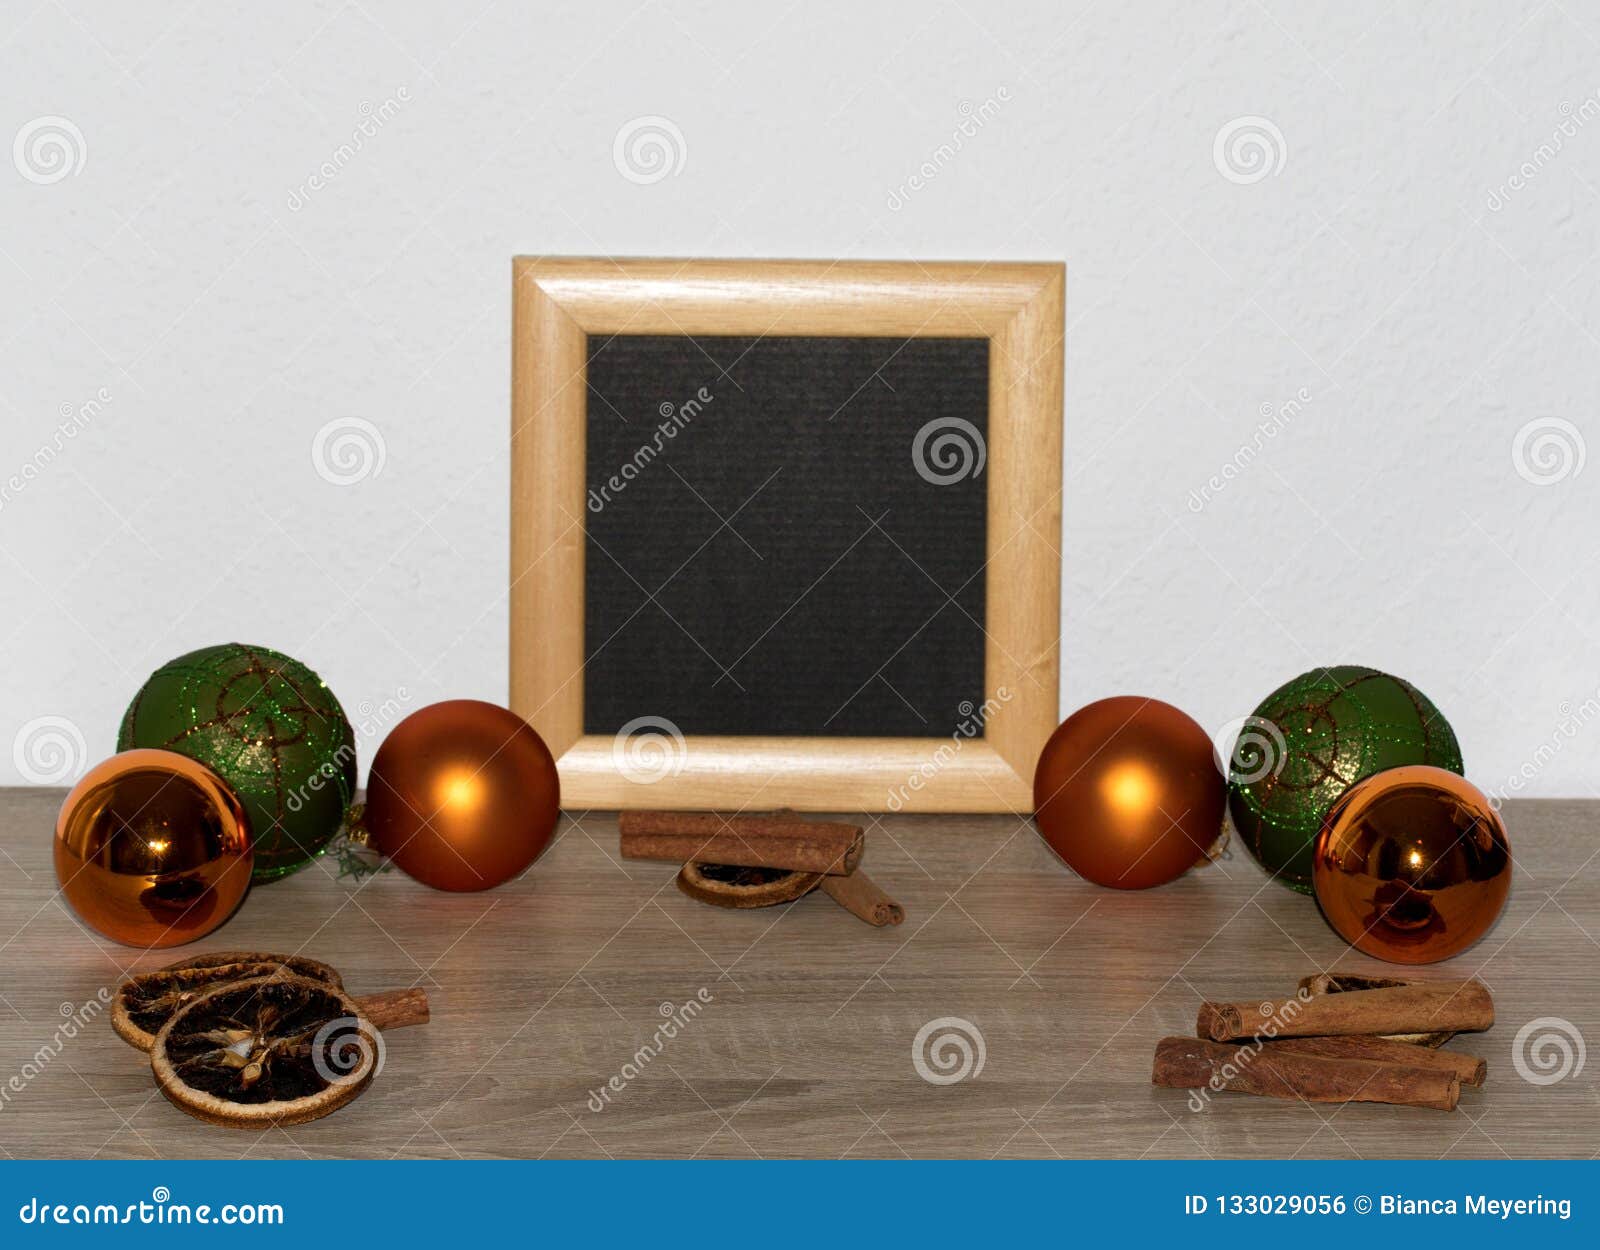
786	535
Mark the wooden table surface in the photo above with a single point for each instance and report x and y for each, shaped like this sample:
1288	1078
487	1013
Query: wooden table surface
545	989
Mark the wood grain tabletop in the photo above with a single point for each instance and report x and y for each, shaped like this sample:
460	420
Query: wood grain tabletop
1049	994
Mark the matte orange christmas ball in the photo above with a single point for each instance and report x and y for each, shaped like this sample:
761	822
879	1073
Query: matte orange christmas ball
153	849
462	796
1128	792
1412	865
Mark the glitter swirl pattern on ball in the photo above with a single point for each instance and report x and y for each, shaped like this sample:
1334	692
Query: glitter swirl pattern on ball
270	728
1339	726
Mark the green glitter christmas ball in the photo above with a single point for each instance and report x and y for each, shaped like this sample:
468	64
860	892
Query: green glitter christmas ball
1313	738
270	728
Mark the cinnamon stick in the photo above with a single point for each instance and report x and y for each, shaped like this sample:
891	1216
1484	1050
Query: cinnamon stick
1192	1063
1339	982
395	1009
1468	1069
859	895
778	841
1461	1006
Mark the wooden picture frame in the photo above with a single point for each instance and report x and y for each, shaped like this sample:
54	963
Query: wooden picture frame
559	302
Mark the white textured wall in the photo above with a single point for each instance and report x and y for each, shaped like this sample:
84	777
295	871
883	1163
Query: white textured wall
1388	273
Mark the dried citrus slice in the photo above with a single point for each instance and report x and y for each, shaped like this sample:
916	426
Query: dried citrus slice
300	965
275	1050
143	1003
723	885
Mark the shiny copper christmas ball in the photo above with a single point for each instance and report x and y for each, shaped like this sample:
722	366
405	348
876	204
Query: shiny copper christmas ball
153	849
1128	792
1412	865
462	796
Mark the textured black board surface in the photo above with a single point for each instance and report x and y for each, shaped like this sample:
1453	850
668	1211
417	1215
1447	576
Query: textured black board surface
772	561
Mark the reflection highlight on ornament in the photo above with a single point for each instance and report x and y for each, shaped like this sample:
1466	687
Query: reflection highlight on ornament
1128	793
152	849
1412	865
460	791
463	795
1128	788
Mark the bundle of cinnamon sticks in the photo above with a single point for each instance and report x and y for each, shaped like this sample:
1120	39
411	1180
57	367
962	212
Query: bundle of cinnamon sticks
829	851
1339	1039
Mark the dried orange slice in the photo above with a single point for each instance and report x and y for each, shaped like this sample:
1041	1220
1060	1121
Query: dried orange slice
724	885
275	1050
300	965
145	1002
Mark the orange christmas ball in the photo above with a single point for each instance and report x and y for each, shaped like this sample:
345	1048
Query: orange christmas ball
1412	865
1128	792
153	849
462	796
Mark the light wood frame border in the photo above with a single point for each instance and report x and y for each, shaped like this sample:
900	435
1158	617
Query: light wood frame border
558	302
